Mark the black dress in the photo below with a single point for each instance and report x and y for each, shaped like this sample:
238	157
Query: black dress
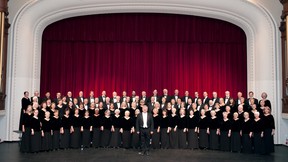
225	126
56	125
192	139
135	135
203	136
246	128
26	135
269	124
156	135
36	138
182	136
96	122
258	129
24	104
235	136
47	139
106	122
115	140
65	137
76	135
127	124
164	136
214	124
173	138
86	134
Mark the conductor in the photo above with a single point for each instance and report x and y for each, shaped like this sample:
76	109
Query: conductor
144	127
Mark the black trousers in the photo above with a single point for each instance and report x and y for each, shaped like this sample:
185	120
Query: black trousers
145	139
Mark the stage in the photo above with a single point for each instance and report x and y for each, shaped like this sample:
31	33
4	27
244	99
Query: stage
10	152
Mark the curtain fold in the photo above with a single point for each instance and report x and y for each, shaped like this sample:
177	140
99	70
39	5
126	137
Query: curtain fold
143	52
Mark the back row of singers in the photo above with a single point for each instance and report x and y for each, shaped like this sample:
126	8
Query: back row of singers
172	128
152	99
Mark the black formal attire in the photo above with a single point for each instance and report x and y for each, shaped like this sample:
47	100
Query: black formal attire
86	134
56	125
185	99
24	104
127	124
258	129
36	138
116	136
156	135
173	136
135	135
192	123
215	100
76	135
214	124
47	139
164	136
269	124
206	100
80	100
106	133
246	128
235	135
203	136
266	103
255	101
168	98
65	137
26	135
96	122
182	136
225	126
117	105
102	99
144	127
123	99
68	99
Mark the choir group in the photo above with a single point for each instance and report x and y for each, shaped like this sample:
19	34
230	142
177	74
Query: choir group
227	124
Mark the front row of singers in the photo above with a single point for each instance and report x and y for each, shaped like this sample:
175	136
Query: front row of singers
172	129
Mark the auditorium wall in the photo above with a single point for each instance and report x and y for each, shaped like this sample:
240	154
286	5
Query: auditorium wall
29	18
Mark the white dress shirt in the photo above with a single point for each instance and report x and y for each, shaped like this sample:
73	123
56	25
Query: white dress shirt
145	118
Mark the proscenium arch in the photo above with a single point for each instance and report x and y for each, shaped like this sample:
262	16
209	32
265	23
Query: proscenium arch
34	17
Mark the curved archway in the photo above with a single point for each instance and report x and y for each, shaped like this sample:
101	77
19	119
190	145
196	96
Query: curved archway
28	26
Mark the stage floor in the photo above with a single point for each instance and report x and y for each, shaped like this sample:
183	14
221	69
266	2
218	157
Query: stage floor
9	152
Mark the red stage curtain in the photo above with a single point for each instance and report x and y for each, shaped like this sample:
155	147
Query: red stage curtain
143	52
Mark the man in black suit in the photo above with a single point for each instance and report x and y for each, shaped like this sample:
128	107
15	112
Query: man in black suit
176	95
36	95
124	97
186	97
165	95
80	98
238	100
58	98
195	99
144	97
227	97
206	99
157	98
69	97
215	98
117	104
144	127
47	97
251	95
91	97
102	98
